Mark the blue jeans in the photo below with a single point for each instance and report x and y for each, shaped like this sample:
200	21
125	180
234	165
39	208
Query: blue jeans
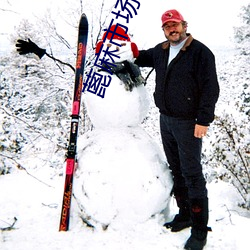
183	152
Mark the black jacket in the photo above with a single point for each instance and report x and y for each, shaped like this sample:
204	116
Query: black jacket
188	87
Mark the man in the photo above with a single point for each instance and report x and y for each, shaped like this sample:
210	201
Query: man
186	93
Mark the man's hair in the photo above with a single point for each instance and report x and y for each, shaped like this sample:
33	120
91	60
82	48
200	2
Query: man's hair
184	23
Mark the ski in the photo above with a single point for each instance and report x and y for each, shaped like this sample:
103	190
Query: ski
71	160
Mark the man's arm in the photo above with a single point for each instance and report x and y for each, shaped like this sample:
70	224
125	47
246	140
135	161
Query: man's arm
208	87
145	58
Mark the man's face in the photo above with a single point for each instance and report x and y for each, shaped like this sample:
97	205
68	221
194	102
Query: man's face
174	32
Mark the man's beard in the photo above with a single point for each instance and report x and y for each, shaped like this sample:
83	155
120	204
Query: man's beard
182	36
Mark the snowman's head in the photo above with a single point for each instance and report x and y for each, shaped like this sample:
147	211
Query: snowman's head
118	40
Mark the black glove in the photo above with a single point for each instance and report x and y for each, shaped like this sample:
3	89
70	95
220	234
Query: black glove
24	47
129	73
135	73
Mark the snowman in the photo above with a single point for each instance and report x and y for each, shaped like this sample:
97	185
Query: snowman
122	178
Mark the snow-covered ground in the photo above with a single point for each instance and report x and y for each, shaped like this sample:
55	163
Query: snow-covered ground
37	208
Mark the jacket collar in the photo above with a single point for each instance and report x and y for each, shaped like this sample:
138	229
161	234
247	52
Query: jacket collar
166	44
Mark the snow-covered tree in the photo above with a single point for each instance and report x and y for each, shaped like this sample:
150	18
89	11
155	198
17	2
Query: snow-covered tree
34	105
242	33
36	95
230	154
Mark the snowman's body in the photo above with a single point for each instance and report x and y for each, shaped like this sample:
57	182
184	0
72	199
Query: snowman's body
122	177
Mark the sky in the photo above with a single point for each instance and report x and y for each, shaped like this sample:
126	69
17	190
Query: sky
210	22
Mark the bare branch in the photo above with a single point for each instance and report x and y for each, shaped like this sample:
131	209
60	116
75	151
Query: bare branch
10	227
30	127
19	166
57	60
1	9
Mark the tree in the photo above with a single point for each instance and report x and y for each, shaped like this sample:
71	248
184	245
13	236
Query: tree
230	153
242	33
35	95
31	116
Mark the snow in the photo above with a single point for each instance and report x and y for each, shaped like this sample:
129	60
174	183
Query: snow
37	208
130	108
121	184
122	177
124	181
34	196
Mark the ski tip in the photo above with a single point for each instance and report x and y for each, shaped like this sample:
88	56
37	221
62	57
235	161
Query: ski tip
83	20
84	16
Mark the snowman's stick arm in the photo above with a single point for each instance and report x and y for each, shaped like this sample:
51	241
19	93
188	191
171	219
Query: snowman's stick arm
61	62
149	73
25	47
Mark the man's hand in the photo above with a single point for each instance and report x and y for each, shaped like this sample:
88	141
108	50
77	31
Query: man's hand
24	47
200	131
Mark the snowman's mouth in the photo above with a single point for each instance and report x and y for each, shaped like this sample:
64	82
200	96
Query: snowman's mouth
122	44
117	47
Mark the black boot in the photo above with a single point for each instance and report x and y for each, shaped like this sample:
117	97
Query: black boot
199	215
197	240
182	220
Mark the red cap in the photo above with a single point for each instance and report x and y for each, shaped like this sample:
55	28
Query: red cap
171	16
121	35
118	33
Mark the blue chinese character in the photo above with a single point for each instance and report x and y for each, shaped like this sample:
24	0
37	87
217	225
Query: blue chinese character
97	83
106	63
125	6
116	31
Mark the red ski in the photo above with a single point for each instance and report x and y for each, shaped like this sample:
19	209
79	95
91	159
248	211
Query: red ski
71	153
